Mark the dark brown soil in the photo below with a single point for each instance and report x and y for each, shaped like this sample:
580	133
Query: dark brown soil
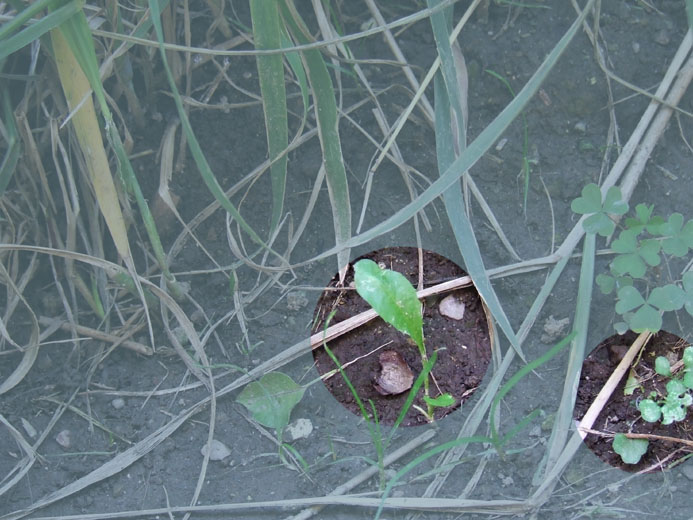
620	415
463	346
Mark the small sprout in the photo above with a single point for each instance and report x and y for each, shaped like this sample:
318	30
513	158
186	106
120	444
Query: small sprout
394	299
630	450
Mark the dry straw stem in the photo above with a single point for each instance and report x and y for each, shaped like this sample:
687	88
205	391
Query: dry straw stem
646	436
605	393
99	335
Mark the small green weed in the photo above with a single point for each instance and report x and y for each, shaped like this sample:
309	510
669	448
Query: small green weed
394	299
270	401
669	408
640	247
672	407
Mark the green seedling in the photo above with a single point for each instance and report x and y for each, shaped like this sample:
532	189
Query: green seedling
672	408
394	299
270	401
668	409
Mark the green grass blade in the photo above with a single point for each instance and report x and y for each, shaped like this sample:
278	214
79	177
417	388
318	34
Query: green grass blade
328	122
267	35
475	149
422	458
564	416
76	32
194	145
34	31
447	94
9	161
519	375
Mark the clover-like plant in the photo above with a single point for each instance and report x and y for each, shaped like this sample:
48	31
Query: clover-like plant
391	295
639	248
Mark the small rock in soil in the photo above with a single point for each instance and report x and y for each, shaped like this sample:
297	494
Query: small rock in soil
554	329
395	375
118	403
296	300
451	307
299	429
63	438
218	450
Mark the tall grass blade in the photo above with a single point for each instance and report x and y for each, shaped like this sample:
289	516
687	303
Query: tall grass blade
267	35
450	142
473	152
516	378
564	415
34	31
76	32
76	88
328	130
9	161
200	161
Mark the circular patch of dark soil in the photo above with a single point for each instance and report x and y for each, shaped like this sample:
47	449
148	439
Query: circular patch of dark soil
620	414
463	345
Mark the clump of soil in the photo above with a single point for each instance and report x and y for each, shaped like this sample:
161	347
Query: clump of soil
463	345
620	414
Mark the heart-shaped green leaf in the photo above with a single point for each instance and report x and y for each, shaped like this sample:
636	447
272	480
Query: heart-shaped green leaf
392	297
613	202
645	318
627	242
589	202
688	358
599	223
649	251
271	399
628	299
629	264
606	283
688	288
662	366
669	297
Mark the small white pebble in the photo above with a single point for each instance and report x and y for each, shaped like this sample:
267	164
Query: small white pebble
451	307
63	438
118	403
217	451
299	429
